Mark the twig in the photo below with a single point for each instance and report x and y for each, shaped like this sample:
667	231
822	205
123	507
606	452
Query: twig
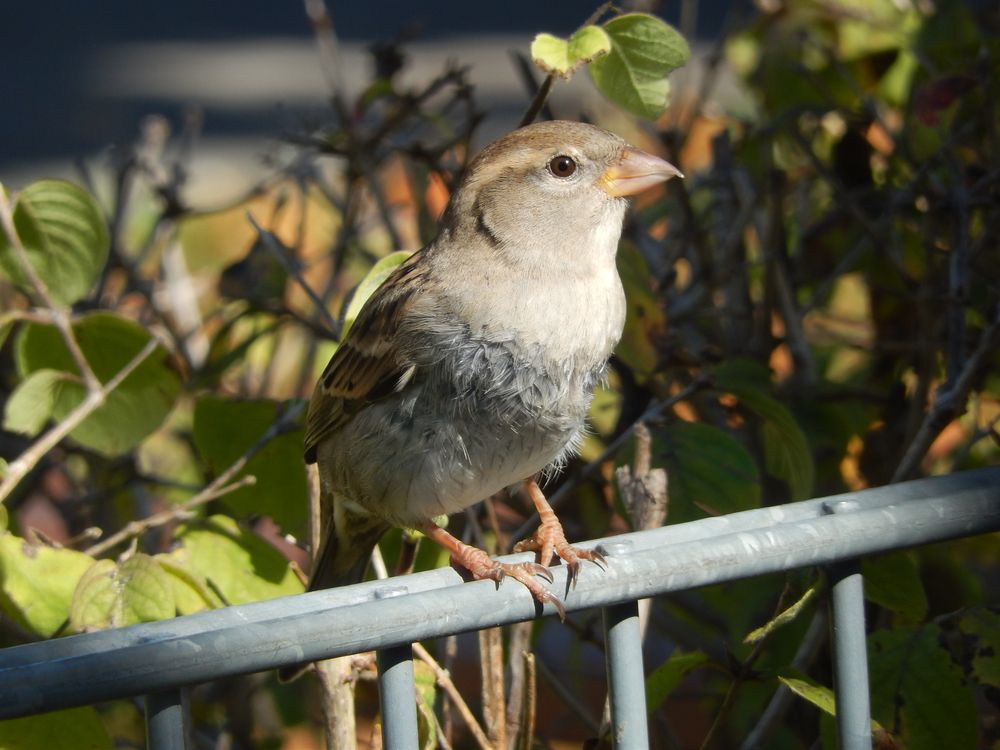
24	463
491	665
581	711
277	248
538	102
949	402
220	486
445	682
530	702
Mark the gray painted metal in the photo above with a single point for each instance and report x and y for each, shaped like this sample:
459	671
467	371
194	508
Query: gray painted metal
397	697
165	721
850	654
164	655
626	678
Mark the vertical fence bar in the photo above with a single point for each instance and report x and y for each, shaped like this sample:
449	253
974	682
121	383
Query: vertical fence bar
850	655
166	720
626	679
397	697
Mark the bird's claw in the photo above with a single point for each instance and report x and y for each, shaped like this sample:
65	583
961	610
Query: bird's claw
550	539
483	567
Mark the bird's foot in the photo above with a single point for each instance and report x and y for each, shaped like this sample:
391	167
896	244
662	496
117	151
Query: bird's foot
548	539
482	567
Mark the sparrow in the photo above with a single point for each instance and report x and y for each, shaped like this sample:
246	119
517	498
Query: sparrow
471	368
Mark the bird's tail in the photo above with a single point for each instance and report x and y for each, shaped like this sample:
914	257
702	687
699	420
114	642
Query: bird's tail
342	561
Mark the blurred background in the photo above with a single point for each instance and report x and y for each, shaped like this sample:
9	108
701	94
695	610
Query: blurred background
251	69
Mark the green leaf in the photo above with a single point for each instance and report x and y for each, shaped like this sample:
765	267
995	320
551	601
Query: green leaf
109	342
191	590
662	681
240	565
64	236
982	628
893	581
708	469
372	281
819	695
31	404
912	674
224	429
562	57
783	618
644	51
72	729
37	583
786	451
110	595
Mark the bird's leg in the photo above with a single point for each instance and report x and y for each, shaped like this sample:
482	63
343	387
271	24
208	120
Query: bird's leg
483	567
550	538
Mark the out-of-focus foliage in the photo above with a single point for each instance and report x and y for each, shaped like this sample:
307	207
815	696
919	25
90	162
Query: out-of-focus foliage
813	310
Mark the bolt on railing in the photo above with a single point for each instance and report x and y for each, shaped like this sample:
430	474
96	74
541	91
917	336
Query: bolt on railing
161	659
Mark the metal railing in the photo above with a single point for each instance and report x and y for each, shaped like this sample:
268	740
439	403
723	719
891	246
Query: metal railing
161	659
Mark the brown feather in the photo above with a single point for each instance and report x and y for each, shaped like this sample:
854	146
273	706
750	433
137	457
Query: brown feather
368	363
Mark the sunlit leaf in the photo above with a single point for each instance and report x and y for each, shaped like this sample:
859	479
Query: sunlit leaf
37	583
109	342
237	563
112	595
644	51
563	56
33	401
64	236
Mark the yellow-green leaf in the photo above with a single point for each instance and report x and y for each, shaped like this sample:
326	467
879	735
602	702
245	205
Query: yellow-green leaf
237	563
33	401
64	236
111	595
37	583
562	57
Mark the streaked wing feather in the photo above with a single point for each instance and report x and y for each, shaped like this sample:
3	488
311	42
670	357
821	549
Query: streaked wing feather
369	363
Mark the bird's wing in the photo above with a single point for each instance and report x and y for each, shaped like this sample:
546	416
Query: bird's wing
370	362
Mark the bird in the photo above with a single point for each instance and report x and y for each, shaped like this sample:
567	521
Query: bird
471	368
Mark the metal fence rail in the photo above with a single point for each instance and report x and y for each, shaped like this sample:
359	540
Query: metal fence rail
159	659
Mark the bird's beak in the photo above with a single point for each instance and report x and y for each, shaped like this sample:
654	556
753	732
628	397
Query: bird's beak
635	171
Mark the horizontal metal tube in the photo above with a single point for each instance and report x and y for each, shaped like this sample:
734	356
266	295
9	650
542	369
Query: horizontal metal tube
163	655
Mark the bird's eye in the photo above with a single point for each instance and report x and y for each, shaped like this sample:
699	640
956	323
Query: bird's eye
562	166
